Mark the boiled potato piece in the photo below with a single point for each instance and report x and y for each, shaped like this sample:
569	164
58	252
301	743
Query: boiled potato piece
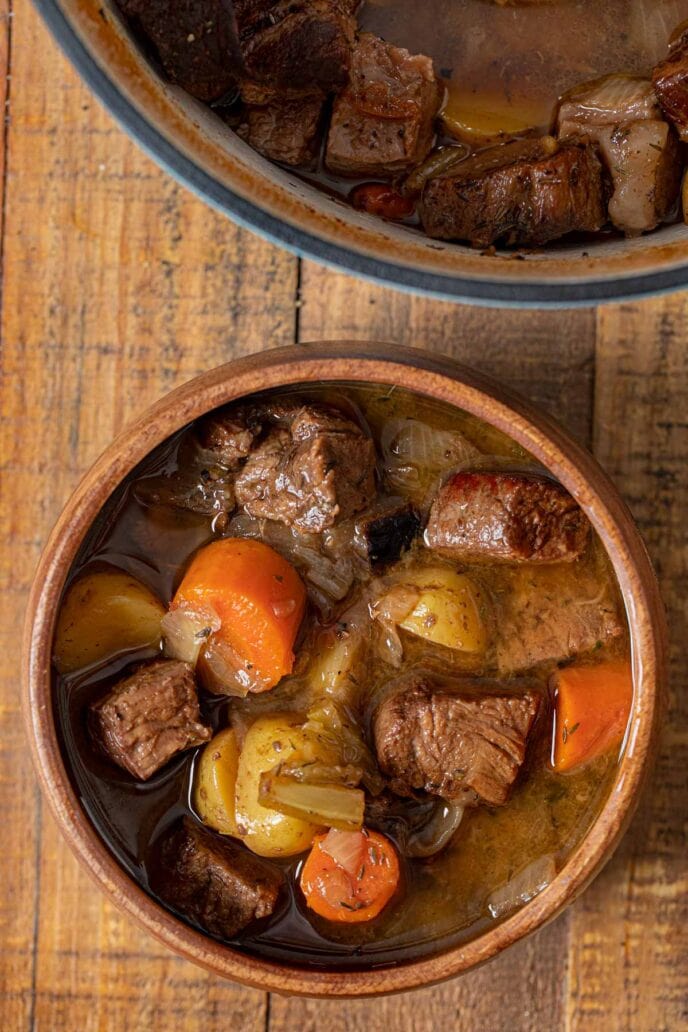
271	741
215	783
102	614
447	611
480	121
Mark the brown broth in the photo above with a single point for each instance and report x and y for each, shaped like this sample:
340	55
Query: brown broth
444	901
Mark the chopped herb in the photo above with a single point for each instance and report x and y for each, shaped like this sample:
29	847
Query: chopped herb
361	872
574	729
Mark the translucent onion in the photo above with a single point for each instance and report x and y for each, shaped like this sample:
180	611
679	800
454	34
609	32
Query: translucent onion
522	887
416	454
347	849
436	833
186	630
333	805
224	672
340	735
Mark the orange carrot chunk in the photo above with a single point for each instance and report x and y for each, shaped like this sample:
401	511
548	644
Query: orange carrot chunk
258	597
350	875
592	706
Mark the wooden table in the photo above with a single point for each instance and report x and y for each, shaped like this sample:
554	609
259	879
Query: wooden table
117	285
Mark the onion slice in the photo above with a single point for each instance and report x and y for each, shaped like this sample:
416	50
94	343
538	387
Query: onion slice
347	849
186	630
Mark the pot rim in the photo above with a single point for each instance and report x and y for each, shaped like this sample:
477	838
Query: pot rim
435	377
488	291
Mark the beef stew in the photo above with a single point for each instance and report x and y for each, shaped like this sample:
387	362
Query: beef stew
479	121
395	728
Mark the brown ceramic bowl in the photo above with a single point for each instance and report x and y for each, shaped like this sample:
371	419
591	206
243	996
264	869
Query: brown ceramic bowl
192	143
436	378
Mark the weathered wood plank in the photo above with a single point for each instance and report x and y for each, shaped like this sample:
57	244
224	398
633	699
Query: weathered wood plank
549	358
119	286
629	944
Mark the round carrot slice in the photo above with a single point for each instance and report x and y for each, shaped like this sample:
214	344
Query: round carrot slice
258	597
350	876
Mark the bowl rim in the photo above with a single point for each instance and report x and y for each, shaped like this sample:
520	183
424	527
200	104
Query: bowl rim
488	291
435	377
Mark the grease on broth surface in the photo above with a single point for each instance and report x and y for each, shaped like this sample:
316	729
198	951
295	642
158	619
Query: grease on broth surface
445	899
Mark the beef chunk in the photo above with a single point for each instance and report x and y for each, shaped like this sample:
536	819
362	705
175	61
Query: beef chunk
386	530
296	43
506	517
318	470
670	79
213	881
195	40
453	744
621	116
525	193
383	122
551	613
228	435
287	131
149	717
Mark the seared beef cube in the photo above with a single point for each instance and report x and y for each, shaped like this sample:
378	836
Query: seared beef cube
670	79
296	43
506	517
229	434
551	614
195	40
525	193
287	131
213	881
454	744
149	717
621	116
383	122
386	530
319	470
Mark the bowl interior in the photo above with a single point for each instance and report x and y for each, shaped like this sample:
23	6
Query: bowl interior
435	378
193	144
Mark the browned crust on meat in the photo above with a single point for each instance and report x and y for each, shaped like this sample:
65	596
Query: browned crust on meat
506	517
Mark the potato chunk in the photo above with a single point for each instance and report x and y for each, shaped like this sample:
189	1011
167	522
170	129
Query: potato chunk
103	614
215	783
447	611
271	741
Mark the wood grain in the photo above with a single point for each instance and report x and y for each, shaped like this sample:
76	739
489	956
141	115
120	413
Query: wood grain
629	939
116	286
120	286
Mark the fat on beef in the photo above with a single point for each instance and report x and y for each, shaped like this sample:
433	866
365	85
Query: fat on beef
524	193
195	40
383	122
506	517
213	881
386	530
149	717
313	468
670	80
454	744
296	44
551	614
285	130
620	115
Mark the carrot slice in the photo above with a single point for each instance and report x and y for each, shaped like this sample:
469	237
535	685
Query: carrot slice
259	598
592	706
357	882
